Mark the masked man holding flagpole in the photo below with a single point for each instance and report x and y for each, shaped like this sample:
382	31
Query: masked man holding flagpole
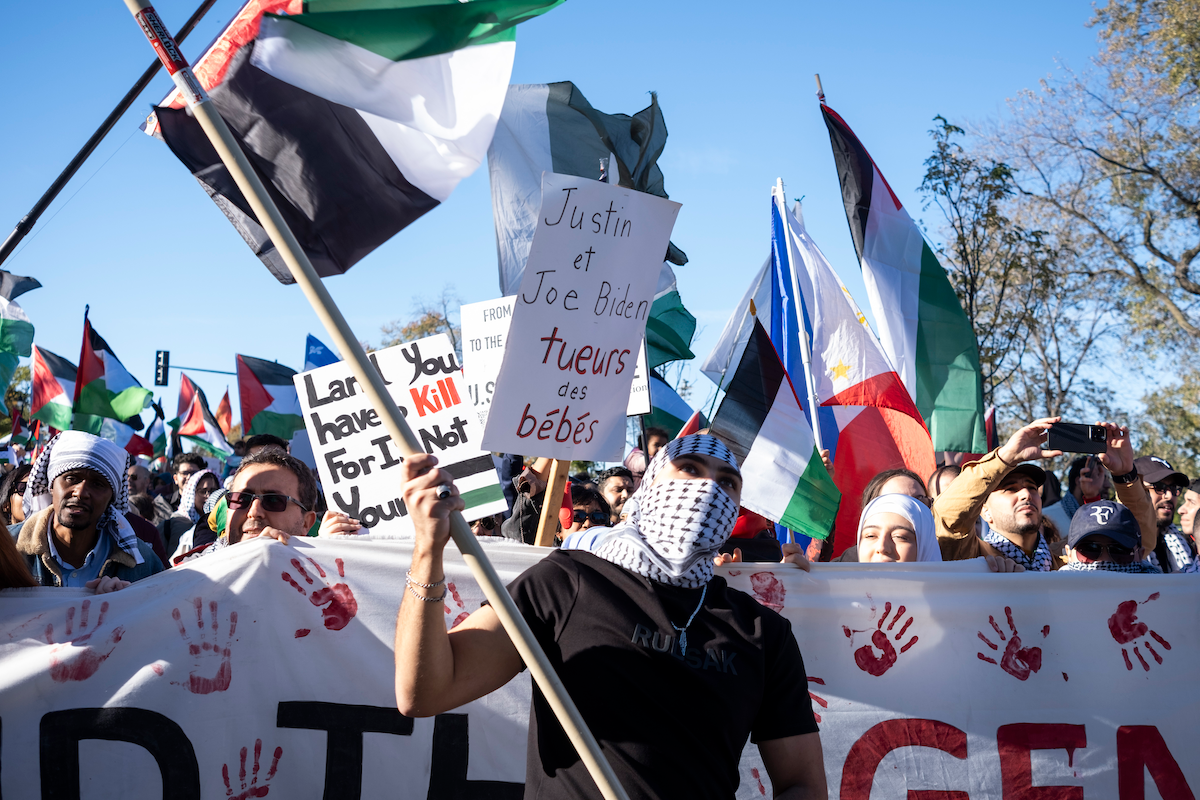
671	669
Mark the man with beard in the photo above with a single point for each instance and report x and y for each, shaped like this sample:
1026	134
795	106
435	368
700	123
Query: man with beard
1003	491
616	486
75	531
1173	552
689	667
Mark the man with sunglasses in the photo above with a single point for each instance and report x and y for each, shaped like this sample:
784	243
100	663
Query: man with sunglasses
272	496
1174	551
1105	537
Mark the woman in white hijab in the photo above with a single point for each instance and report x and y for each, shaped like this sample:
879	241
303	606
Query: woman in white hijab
897	528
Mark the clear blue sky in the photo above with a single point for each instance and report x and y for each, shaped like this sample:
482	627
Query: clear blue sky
162	269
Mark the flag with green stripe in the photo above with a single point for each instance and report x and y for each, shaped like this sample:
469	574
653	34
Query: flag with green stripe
763	423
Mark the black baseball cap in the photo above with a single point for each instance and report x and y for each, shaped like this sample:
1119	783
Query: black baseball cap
1154	469
1108	518
1027	468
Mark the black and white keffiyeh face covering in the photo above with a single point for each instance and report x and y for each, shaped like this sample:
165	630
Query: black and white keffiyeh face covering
78	450
1041	554
676	526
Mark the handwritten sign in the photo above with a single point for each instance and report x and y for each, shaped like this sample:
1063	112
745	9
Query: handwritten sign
484	331
593	269
355	456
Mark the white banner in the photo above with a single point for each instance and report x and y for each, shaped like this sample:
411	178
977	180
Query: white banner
267	668
355	455
580	313
484	330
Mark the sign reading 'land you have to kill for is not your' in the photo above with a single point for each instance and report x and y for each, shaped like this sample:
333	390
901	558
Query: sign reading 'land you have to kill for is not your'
579	316
355	456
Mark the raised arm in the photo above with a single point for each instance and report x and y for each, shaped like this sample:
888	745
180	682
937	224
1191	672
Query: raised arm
1119	461
435	670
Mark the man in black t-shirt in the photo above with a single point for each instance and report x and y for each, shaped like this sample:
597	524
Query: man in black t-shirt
671	669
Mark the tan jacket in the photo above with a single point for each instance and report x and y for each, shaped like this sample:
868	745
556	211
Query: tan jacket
956	510
33	542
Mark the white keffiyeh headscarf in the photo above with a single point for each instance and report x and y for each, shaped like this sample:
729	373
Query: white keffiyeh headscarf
915	512
676	526
78	450
187	498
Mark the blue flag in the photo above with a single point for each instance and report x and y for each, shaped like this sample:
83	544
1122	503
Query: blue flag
317	354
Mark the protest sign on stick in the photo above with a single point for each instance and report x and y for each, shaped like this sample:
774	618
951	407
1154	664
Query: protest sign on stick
556	482
579	317
357	459
268	215
484	331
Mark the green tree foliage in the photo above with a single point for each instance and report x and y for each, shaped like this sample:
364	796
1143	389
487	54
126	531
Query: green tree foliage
1170	428
1115	153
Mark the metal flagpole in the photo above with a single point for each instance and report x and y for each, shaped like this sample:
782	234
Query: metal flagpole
372	382
814	402
29	220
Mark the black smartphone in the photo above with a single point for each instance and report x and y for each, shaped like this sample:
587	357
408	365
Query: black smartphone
1073	438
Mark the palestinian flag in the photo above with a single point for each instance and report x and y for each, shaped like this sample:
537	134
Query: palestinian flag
269	400
553	128
668	410
922	327
763	423
115	431
16	331
53	390
200	427
20	434
187	390
670	327
358	121
158	437
103	387
225	414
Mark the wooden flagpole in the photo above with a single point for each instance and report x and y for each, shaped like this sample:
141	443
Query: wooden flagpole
372	383
551	502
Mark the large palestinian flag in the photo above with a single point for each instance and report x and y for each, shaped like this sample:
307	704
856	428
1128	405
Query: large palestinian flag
53	391
358	122
922	327
103	387
200	427
268	397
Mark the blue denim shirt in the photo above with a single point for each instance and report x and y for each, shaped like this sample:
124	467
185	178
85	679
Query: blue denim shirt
92	564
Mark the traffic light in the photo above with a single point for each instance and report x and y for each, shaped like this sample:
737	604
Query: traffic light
162	364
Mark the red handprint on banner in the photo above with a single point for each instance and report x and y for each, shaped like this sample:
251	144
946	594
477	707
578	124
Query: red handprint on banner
212	665
75	659
1125	628
865	656
252	789
1018	661
768	589
337	601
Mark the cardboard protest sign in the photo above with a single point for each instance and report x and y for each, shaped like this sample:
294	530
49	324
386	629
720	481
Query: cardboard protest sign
928	680
484	331
355	456
593	268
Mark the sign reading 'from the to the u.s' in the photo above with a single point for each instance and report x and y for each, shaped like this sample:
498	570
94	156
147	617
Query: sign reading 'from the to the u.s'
355	456
593	268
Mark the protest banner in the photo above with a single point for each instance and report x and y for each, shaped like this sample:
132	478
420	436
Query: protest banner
355	456
484	330
585	295
944	680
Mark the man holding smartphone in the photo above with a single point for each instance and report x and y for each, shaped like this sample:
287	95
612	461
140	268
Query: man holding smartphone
1003	490
1173	552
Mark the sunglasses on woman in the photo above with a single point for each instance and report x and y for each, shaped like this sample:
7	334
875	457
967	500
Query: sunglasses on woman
272	503
597	517
1093	550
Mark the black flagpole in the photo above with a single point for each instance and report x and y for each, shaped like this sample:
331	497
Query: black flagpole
29	220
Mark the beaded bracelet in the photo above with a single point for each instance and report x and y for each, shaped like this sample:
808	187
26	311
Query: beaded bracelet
408	579
413	592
